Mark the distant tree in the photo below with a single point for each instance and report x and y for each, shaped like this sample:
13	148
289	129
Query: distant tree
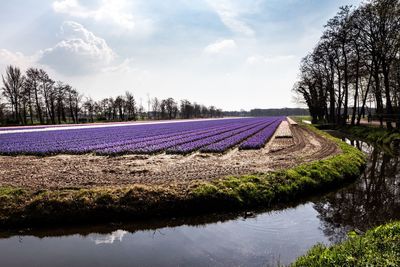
113	108
33	82
2	113
171	107
38	98
140	111
12	89
156	108
204	111
60	99
89	108
120	104
74	99
196	110
163	109
109	108
48	93
187	109
130	106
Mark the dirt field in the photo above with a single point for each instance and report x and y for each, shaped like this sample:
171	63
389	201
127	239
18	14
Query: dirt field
72	171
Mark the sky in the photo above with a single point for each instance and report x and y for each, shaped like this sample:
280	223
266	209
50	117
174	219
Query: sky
233	54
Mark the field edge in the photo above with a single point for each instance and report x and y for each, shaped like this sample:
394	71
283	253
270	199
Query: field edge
24	207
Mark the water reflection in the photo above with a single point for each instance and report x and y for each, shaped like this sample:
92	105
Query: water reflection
372	200
117	235
265	239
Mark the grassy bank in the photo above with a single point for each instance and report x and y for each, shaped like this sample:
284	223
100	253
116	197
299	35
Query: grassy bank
377	247
373	134
287	185
27	207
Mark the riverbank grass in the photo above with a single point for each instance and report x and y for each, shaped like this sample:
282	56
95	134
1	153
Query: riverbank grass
377	247
373	134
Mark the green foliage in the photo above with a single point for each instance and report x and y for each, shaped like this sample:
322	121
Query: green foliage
377	247
11	191
298	119
374	134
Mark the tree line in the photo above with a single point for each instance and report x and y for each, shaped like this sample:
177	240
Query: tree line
354	70
265	112
34	98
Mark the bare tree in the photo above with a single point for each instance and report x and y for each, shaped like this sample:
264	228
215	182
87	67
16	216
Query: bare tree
130	106
355	60
156	108
32	82
43	100
12	89
171	107
49	95
88	107
60	97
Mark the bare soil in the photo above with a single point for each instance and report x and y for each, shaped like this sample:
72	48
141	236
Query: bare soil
87	171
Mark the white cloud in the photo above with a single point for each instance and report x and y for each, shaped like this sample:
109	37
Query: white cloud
126	66
230	13
114	11
65	6
79	51
222	46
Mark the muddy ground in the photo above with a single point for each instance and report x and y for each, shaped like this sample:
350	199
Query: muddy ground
77	171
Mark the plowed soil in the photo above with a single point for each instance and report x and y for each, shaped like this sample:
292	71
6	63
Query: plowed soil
86	171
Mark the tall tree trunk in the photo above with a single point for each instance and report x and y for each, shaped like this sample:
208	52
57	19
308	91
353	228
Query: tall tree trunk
339	109
355	103
364	101
24	113
38	108
71	110
386	82
353	117
346	88
63	113
332	94
31	111
378	93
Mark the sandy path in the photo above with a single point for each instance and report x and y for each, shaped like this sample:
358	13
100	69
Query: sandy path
63	171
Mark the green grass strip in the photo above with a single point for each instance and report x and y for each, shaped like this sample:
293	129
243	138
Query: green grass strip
377	247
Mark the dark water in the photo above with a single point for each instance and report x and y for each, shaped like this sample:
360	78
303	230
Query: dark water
264	239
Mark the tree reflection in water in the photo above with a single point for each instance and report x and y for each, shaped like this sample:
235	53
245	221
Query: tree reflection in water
372	200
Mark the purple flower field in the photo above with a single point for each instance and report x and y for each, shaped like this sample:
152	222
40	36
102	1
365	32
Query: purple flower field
176	138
